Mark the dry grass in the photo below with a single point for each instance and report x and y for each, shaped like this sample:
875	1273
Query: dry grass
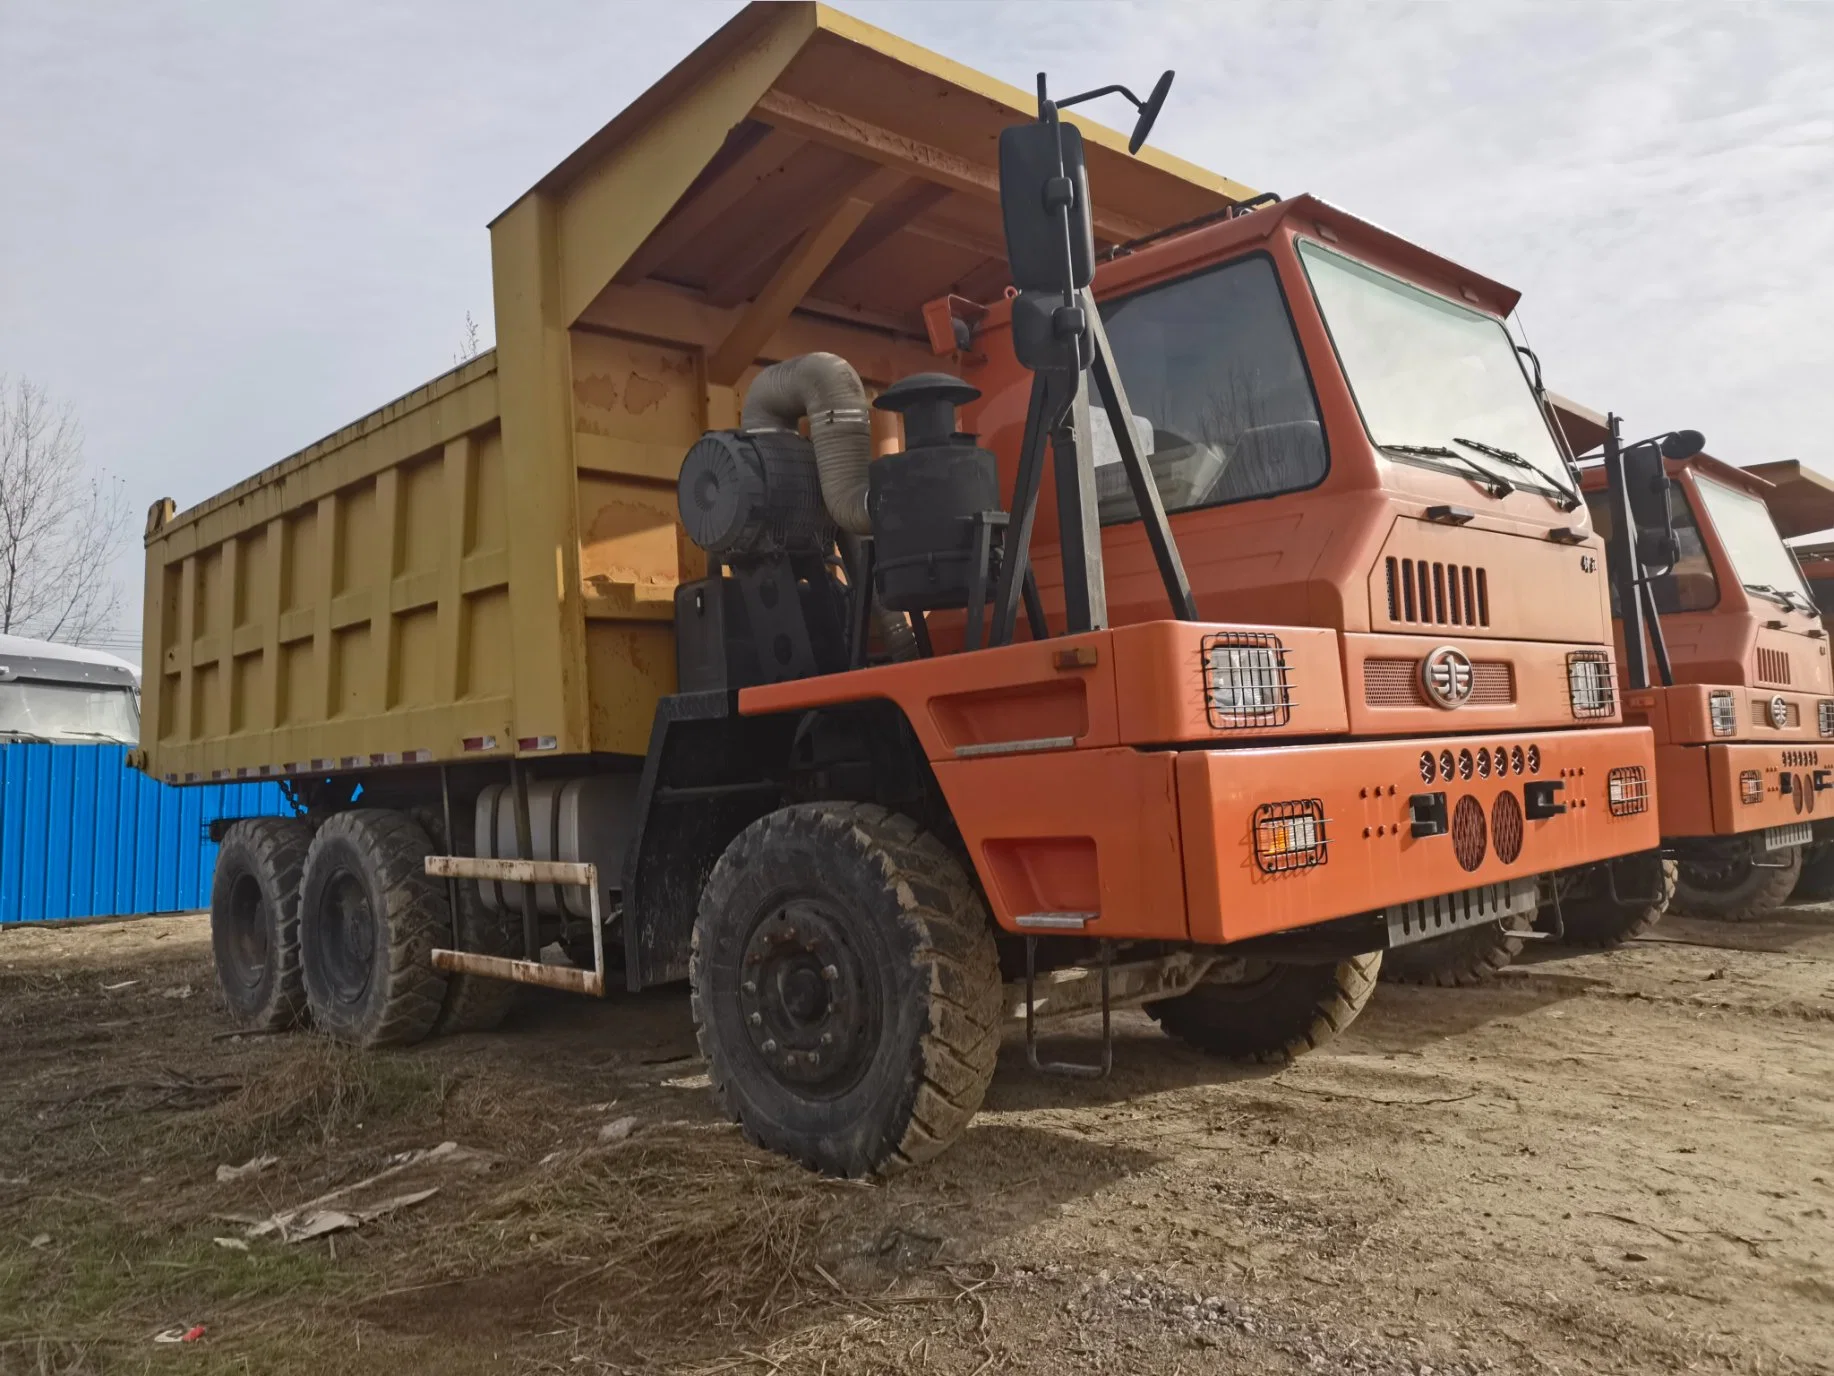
314	1092
691	1229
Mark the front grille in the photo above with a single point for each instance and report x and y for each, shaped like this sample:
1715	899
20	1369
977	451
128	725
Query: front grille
1396	683
1627	790
1773	667
1506	827
1423	593
1470	840
1760	715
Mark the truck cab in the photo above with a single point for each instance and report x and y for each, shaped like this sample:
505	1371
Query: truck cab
66	695
1744	723
1345	437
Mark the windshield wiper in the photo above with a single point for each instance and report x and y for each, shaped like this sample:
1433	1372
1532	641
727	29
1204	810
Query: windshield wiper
1567	501
1783	595
1496	486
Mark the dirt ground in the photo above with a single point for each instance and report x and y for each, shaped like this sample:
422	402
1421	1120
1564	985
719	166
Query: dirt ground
1613	1162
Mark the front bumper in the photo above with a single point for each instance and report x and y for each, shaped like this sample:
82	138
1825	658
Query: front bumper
1734	789
1376	853
1162	844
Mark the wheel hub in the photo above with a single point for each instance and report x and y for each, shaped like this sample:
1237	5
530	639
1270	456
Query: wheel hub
808	1003
248	931
350	927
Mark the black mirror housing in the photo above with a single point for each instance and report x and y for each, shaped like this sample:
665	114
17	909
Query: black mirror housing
1683	444
1647	486
1031	191
1149	112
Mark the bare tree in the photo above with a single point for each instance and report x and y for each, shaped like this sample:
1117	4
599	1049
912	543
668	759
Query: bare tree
471	343
61	526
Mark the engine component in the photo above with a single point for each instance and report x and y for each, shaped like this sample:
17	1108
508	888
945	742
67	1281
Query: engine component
581	821
748	494
924	502
826	389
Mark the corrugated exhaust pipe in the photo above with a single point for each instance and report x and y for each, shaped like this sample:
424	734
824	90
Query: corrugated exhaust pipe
827	389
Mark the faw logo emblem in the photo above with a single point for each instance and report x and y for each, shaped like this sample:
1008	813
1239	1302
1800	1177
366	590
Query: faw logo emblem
1446	676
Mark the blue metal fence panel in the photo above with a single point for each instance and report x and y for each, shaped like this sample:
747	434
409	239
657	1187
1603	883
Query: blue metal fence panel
82	835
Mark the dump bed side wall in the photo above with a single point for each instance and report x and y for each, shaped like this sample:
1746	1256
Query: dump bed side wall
352	601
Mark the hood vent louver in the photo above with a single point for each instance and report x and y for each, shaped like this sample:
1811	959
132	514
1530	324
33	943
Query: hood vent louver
1773	667
1423	593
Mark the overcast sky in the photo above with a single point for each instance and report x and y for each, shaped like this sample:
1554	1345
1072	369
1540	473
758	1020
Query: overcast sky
227	229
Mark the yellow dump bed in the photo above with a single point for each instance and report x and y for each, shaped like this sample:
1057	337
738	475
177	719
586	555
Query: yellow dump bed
488	564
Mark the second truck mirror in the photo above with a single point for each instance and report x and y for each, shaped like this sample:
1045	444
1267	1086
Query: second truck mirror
1646	483
1032	197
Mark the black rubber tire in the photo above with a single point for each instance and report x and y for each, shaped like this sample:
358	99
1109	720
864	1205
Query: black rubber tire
478	1003
916	1010
369	920
1754	893
1280	1013
473	1003
254	922
1816	882
1591	918
1458	959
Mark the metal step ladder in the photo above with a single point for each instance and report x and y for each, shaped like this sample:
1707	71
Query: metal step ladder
529	872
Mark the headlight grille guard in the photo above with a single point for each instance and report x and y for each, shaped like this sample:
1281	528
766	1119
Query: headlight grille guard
1247	680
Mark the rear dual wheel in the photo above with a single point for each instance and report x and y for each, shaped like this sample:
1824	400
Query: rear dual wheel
254	922
369	920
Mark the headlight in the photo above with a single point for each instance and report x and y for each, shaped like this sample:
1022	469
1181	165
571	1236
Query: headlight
1751	786
1245	680
1589	684
1722	713
1824	717
1290	835
1627	790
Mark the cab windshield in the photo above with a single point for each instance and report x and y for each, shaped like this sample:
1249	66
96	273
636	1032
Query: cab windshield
1760	559
36	710
1436	383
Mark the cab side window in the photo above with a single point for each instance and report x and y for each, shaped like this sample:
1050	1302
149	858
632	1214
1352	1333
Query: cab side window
1688	587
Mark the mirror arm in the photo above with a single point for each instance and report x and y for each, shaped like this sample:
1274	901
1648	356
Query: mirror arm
1099	91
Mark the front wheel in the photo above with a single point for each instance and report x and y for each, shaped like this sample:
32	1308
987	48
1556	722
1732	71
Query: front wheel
1458	958
1816	883
1256	1010
846	990
1736	887
1592	917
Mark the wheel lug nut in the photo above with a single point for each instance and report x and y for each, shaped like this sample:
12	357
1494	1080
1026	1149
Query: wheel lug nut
750	986
829	973
756	1019
770	1045
827	1039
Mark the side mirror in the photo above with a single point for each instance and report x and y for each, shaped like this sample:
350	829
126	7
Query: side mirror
1033	194
1647	486
1149	112
1683	444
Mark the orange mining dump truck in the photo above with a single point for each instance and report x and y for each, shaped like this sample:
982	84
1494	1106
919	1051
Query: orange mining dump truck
695	630
1731	672
1801	502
